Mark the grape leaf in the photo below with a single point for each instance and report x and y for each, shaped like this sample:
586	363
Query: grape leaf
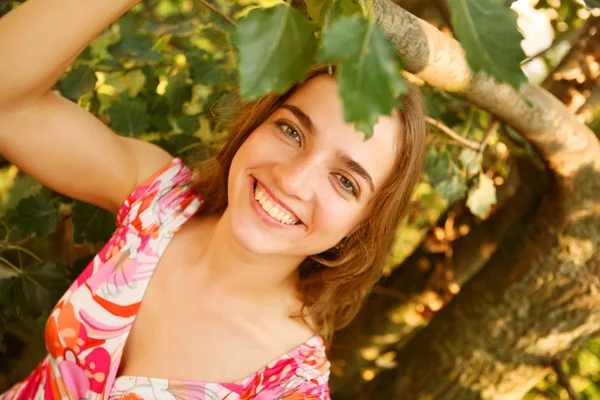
158	108
452	188
38	287
276	47
91	223
78	81
34	214
321	11
482	196
132	46
128	116
437	165
470	160
6	271
177	93
445	175
188	124
204	70
317	9
135	82
369	70
487	31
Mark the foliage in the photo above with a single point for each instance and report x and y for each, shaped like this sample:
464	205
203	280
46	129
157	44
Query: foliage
160	73
487	30
268	62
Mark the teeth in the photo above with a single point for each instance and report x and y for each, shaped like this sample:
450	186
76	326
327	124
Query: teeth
268	205
274	212
272	209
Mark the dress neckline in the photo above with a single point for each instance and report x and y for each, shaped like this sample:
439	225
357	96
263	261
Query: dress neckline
314	342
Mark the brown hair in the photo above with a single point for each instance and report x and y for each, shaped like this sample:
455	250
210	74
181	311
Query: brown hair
333	284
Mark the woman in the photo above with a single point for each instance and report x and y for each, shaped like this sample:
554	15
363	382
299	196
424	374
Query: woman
256	257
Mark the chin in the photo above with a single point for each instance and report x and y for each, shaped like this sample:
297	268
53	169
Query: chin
249	236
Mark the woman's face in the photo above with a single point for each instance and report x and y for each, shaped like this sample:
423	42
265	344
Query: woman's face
302	180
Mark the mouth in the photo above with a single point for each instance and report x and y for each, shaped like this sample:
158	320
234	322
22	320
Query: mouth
270	208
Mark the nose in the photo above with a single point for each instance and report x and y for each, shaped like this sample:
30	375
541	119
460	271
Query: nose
297	177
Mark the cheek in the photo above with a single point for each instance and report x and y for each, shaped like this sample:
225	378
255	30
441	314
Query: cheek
336	219
260	147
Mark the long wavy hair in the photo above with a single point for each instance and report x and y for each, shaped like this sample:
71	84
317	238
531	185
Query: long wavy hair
334	284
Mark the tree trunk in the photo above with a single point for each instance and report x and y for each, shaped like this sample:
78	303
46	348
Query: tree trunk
540	293
405	304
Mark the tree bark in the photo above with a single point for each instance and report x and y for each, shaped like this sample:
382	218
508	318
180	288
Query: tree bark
538	296
395	314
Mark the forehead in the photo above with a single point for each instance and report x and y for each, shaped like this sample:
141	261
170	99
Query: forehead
318	98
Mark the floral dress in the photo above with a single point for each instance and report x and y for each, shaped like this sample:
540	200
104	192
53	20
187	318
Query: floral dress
86	331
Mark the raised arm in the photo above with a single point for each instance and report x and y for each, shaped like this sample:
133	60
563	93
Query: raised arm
47	136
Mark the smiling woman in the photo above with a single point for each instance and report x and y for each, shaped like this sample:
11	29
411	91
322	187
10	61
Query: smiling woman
348	193
221	281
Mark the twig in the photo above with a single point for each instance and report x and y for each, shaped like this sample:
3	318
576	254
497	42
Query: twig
491	129
218	12
455	136
563	379
585	29
574	36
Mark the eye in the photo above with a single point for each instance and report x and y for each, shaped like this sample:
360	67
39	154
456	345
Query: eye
347	185
289	131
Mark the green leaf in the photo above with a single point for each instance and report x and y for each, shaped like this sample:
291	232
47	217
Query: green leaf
40	286
322	11
487	31
177	93
369	70
437	165
482	196
203	69
592	3
470	160
180	143
317	9
159	114
135	82
276	47
188	124
91	223
35	214
78	81
22	186
445	175
128	116
6	271
132	46
452	189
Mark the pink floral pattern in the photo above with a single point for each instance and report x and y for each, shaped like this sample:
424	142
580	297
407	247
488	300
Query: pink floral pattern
86	331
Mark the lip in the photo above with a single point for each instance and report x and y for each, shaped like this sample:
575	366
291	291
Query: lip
265	215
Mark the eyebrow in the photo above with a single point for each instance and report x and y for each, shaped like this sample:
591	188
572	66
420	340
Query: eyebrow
345	158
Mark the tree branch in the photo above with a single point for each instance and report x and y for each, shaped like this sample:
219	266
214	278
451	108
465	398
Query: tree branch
449	132
539	117
491	129
218	12
563	379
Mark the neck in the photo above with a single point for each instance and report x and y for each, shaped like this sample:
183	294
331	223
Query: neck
233	268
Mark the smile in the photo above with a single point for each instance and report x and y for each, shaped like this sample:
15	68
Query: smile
271	206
